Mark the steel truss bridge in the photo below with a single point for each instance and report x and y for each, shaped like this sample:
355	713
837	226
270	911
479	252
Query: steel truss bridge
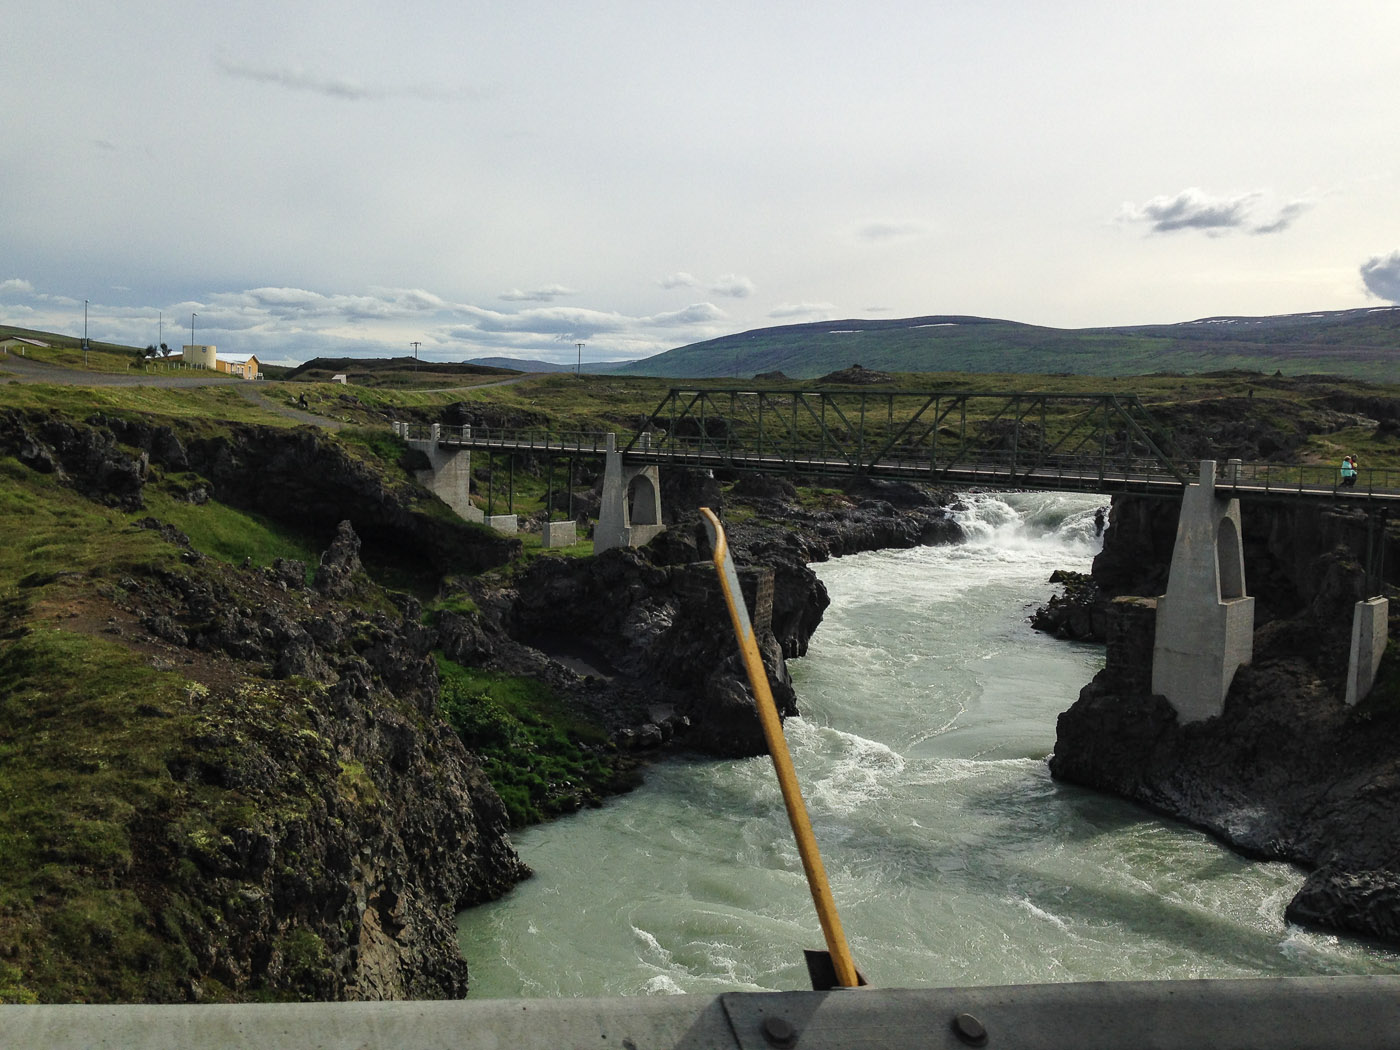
1103	443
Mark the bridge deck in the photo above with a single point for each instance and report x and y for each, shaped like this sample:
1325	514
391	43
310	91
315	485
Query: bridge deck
1251	481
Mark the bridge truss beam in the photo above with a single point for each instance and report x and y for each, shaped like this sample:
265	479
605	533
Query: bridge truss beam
1103	441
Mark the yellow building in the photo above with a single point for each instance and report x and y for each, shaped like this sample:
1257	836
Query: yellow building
245	366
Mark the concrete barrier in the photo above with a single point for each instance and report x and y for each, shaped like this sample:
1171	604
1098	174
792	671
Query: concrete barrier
1308	1013
509	524
559	534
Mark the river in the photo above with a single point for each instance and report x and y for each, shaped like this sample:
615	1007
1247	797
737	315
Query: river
928	709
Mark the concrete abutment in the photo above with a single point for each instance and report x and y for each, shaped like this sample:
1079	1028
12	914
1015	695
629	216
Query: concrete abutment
1205	621
630	514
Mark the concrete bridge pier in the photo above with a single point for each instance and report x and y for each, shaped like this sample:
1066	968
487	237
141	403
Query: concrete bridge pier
450	474
1205	621
630	514
1370	629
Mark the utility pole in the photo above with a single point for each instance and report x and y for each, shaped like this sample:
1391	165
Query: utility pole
85	339
578	371
415	344
192	317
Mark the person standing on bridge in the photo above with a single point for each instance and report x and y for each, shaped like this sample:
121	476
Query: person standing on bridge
1348	471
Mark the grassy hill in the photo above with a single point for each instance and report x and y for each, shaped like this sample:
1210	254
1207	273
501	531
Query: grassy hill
1363	344
393	371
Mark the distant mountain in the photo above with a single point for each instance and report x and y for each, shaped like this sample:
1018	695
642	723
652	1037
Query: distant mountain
1362	343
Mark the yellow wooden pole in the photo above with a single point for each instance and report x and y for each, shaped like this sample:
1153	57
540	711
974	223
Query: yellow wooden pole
782	760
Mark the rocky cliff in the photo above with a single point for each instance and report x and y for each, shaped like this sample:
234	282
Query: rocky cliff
301	822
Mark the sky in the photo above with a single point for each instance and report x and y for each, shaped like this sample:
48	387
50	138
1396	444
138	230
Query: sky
513	179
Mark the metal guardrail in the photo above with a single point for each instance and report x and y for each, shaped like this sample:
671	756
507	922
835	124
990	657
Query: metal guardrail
1359	1013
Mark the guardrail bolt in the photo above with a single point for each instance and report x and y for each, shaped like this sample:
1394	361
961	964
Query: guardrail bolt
779	1033
970	1030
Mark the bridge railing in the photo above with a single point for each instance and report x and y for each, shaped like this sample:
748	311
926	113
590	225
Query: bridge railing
1123	470
1313	477
506	438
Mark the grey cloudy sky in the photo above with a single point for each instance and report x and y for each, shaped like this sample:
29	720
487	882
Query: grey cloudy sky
509	179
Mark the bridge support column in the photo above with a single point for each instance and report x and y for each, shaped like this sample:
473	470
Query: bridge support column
1370	629
449	474
1205	621
630	514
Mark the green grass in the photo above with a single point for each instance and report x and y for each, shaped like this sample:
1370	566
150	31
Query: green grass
202	404
85	728
231	535
541	760
50	531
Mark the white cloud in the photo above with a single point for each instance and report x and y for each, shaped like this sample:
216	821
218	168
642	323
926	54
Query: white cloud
16	286
538	295
729	285
1194	209
816	311
734	286
696	313
1381	275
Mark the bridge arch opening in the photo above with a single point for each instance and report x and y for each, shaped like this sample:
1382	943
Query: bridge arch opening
1229	558
643	502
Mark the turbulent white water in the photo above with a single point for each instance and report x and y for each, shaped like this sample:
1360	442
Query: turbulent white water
928	708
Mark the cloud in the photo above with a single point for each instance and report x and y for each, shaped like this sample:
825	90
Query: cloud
733	285
888	231
1284	218
299	323
1381	275
729	285
296	78
820	311
1193	209
696	313
538	295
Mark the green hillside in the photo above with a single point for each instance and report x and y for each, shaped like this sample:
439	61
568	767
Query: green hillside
1363	344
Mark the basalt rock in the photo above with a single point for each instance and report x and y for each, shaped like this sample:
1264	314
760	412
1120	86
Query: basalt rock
657	635
364	825
335	576
86	456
